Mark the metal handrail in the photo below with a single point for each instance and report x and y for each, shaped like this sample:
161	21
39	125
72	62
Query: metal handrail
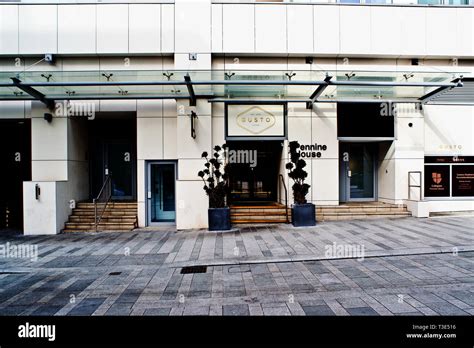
286	197
104	196
420	186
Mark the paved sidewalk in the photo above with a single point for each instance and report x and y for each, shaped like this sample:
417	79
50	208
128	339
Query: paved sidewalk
408	267
263	243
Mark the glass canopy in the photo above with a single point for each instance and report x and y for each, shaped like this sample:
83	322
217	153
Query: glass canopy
220	85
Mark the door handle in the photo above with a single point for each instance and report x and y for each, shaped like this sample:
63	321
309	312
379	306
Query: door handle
149	195
349	173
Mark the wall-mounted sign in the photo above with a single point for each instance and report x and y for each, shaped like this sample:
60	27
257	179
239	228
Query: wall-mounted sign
312	151
449	159
255	121
437	181
463	181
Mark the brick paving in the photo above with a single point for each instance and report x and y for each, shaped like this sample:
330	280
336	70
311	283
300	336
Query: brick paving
409	266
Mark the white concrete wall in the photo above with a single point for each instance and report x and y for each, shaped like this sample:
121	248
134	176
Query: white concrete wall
449	130
399	31
60	167
87	28
403	155
266	28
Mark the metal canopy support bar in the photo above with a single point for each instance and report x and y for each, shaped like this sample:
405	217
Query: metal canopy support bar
192	95
34	93
241	100
464	95
318	92
239	82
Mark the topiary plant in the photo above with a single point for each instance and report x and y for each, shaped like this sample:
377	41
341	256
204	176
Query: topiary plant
215	177
297	173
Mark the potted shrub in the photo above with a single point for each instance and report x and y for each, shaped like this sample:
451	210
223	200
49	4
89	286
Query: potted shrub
302	212
215	180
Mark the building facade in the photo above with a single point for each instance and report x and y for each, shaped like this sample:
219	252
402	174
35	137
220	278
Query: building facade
379	96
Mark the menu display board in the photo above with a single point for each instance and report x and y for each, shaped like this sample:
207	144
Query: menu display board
437	181
449	176
463	181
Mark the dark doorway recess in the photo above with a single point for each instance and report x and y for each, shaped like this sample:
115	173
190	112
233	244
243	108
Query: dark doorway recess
254	180
365	120
112	146
15	156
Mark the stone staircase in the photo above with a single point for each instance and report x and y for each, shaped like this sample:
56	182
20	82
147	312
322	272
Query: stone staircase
250	214
275	212
360	210
118	216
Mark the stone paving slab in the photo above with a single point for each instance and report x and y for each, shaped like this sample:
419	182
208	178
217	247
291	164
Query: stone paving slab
408	267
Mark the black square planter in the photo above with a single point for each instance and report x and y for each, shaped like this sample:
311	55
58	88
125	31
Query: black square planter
303	215
219	219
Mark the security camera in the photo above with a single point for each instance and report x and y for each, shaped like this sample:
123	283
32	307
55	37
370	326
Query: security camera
49	58
48	117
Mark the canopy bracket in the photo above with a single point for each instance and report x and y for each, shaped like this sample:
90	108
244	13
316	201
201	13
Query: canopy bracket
317	93
34	93
192	95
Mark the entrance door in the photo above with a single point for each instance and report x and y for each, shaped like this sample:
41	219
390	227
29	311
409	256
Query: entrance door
120	165
357	175
161	192
15	156
253	171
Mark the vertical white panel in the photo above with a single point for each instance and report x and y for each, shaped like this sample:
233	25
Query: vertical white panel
326	29
169	138
413	31
385	30
441	27
149	138
167	28
239	28
112	28
355	29
270	28
193	26
465	36
145	28
217	28
9	29
77	29
300	28
38	28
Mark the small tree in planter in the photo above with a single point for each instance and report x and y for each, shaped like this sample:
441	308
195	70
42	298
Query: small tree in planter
215	179
302	213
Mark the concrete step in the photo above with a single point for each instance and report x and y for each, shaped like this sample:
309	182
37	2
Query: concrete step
258	213
257	221
106	212
113	219
117	216
109	204
100	227
359	216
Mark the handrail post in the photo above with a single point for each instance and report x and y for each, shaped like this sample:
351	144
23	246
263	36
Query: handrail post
286	197
95	214
107	191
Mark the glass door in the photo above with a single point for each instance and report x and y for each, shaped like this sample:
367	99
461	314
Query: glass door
161	192
120	165
357	172
361	173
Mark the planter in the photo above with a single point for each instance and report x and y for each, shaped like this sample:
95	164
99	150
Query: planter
303	215
219	219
